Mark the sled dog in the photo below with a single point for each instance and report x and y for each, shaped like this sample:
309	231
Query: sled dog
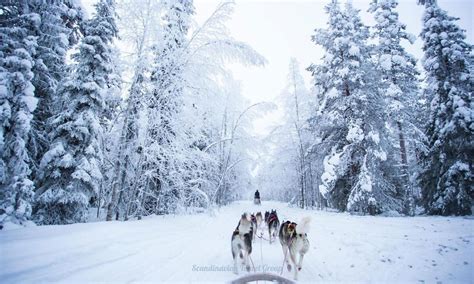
253	218
259	218
241	242
273	224
294	242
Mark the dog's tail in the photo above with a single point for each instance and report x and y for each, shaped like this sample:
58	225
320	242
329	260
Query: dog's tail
303	225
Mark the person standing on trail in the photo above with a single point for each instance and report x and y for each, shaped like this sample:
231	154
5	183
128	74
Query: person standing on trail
257	194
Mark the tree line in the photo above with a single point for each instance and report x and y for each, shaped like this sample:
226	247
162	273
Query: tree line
373	135
157	126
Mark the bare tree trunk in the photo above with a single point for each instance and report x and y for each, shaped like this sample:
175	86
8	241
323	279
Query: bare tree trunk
403	149
408	193
311	184
98	202
114	199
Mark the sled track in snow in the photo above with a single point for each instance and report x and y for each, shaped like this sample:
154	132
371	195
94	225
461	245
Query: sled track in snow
187	248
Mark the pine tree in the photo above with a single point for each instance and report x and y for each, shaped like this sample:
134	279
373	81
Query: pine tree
447	180
72	166
399	80
56	35
351	126
17	103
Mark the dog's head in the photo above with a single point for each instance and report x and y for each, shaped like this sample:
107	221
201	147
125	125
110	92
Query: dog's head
246	217
291	228
245	223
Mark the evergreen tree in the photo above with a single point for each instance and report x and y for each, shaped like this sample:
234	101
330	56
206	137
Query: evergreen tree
447	180
17	103
351	125
399	81
71	167
56	35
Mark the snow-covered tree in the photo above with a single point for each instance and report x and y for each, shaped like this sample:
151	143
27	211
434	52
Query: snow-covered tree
294	139
399	81
447	180
221	118
17	102
172	152
56	34
71	168
351	127
161	147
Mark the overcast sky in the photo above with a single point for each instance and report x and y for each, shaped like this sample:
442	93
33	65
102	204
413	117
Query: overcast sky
280	30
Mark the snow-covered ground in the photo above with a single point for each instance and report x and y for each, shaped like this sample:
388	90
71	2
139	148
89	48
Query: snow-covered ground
344	248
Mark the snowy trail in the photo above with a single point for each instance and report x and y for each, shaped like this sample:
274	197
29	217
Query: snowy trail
177	248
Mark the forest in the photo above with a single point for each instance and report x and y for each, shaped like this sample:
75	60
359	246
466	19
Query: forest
91	126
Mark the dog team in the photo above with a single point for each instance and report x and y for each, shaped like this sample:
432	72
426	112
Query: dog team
293	238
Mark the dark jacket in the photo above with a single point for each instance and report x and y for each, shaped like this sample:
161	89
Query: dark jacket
257	195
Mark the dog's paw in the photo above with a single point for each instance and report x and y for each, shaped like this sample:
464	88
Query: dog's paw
288	267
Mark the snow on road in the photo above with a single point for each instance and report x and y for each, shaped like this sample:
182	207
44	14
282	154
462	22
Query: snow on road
344	248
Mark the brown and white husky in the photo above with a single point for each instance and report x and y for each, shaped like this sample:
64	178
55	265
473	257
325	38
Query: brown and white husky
294	242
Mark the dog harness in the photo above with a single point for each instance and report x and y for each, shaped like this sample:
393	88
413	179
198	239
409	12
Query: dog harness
272	217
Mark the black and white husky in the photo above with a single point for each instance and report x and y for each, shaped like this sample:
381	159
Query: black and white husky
273	224
294	242
241	242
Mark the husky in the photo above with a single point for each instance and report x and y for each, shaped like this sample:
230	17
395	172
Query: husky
241	242
257	221
253	218
294	241
259	218
273	223
266	216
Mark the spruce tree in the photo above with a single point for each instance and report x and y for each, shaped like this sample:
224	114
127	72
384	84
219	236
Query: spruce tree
17	102
447	179
399	82
71	167
56	34
352	121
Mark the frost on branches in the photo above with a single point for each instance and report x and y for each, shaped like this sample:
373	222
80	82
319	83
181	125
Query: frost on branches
71	168
351	119
17	103
448	179
399	84
57	33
